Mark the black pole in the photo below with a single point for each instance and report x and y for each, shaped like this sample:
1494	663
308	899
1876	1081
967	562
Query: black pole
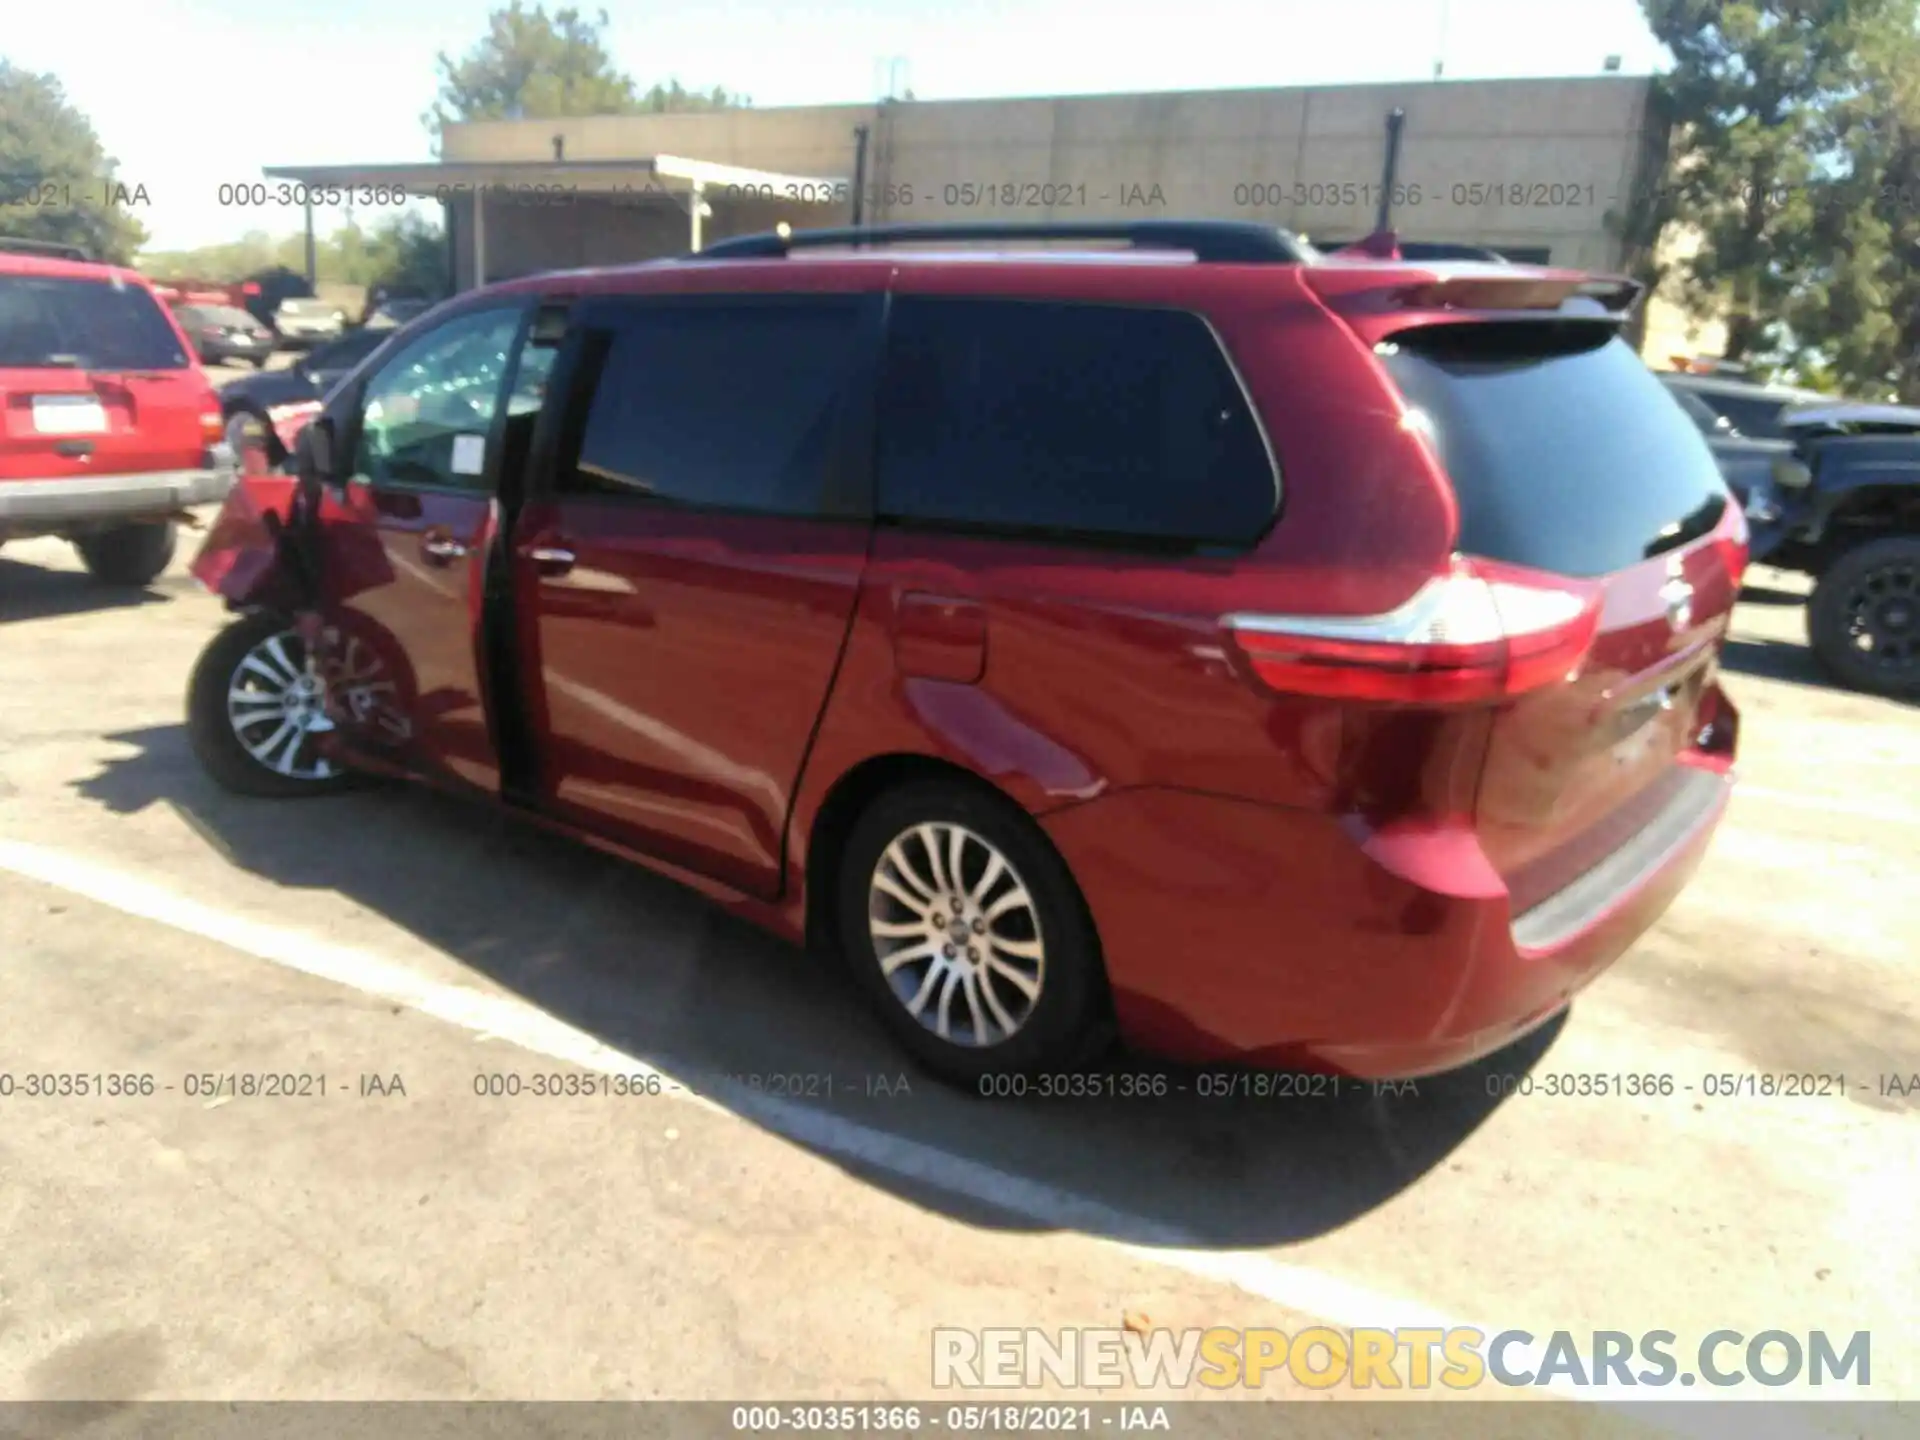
1396	120
859	174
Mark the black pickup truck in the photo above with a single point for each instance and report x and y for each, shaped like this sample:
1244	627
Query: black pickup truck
1832	490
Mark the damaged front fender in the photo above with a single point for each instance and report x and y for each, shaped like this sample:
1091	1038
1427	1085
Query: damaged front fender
248	557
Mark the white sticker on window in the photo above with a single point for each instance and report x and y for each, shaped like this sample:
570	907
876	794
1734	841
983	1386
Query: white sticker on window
469	454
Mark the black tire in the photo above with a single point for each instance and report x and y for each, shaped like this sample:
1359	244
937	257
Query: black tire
210	729
1067	1025
132	555
1871	590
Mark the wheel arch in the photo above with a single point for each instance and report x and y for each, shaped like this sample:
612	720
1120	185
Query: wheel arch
848	799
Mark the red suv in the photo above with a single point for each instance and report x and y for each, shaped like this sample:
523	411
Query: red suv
1300	661
108	428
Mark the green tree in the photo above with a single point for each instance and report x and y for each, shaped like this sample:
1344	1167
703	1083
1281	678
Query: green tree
1859	296
407	254
56	182
1753	91
532	65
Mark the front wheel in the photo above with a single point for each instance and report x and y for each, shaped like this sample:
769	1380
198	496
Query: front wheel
132	555
256	712
1863	619
968	934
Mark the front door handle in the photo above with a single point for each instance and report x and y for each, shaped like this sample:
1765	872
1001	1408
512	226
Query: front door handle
552	560
440	548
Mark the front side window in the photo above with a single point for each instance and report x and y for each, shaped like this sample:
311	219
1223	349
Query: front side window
1069	421
427	413
732	406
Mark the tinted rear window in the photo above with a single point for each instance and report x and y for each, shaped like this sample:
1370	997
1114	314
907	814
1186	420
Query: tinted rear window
1067	421
85	324
1565	452
732	407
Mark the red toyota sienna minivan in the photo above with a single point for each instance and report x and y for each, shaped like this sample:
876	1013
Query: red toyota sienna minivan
1296	660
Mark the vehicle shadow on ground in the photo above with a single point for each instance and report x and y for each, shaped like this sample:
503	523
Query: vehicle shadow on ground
660	974
35	592
1787	660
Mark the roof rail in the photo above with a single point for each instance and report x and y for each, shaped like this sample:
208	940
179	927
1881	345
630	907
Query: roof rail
1223	242
53	249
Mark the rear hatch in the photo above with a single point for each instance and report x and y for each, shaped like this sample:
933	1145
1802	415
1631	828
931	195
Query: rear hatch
94	380
1576	473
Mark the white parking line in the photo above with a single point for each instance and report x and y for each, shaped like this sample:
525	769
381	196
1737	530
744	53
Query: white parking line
1298	1288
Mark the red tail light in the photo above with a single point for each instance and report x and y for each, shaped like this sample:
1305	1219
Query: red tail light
211	428
1481	632
1734	550
250	288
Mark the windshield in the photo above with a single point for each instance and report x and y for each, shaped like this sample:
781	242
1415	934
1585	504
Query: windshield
88	324
227	315
1702	414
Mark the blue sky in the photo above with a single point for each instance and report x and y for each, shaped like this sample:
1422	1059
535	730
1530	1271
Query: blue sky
346	80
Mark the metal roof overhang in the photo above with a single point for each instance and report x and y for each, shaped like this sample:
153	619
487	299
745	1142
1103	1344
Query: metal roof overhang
670	178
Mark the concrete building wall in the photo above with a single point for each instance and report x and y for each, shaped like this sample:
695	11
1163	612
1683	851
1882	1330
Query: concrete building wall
1520	163
1672	328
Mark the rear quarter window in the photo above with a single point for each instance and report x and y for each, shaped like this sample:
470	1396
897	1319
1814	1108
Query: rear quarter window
1565	452
1069	421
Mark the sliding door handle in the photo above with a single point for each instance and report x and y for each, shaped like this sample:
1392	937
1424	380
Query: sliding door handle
551	559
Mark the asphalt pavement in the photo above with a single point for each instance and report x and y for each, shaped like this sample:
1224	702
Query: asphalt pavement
786	1210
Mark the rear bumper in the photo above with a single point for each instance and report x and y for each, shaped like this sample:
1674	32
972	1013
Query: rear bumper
50	505
1252	935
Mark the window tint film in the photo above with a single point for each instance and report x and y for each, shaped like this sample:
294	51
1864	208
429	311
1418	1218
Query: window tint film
427	413
1080	419
84	324
734	406
1565	452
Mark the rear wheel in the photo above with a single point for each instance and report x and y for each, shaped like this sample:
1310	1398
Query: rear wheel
128	554
1864	617
966	931
256	712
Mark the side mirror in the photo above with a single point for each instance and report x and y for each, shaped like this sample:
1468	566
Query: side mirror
313	452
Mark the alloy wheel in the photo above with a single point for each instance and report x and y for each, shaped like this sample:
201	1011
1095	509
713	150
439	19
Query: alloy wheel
276	703
957	934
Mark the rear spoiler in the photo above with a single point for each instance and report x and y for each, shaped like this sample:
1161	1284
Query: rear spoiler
1521	295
